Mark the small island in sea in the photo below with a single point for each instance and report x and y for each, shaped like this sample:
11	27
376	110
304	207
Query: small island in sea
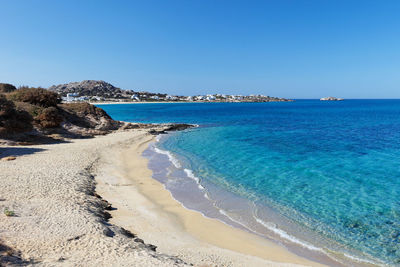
331	98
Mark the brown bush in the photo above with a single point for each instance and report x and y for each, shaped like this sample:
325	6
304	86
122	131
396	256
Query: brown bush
7	107
7	88
36	96
49	118
11	119
33	110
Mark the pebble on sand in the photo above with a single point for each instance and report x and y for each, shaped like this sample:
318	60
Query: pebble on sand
8	158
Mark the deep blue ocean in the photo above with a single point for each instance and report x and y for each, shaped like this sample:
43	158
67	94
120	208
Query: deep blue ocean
315	174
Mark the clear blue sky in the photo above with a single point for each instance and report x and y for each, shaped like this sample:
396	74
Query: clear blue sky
295	49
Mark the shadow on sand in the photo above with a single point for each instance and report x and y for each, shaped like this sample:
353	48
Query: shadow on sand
8	256
18	151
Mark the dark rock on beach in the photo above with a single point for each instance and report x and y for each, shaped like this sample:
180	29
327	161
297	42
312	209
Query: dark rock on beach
165	128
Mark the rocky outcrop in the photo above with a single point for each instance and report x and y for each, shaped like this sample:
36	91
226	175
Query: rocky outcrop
88	116
169	127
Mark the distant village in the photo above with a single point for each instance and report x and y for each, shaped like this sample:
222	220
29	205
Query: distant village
100	91
150	97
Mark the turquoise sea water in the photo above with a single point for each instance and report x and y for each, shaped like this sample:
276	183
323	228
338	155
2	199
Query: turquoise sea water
317	176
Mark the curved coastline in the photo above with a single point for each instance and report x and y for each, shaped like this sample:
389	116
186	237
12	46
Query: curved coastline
279	236
144	206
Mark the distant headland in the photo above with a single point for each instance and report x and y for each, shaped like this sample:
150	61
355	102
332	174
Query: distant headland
101	91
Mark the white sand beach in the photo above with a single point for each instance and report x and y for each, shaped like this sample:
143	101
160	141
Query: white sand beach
59	220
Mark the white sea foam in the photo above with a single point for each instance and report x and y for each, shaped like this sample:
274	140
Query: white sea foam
190	174
362	260
269	225
170	157
272	228
284	235
234	220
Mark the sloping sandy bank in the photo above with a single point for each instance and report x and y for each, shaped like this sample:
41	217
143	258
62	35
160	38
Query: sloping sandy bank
58	220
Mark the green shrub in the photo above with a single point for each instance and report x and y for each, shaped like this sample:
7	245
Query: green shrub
9	213
36	96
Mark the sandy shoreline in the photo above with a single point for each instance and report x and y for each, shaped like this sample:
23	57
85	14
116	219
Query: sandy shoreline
188	234
60	221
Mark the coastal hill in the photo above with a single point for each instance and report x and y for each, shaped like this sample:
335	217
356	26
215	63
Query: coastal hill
91	88
35	113
94	91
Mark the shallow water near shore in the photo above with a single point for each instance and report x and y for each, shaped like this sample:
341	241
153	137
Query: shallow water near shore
319	176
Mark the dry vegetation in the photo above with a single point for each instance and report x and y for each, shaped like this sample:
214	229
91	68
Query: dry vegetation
37	111
35	96
13	120
6	88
